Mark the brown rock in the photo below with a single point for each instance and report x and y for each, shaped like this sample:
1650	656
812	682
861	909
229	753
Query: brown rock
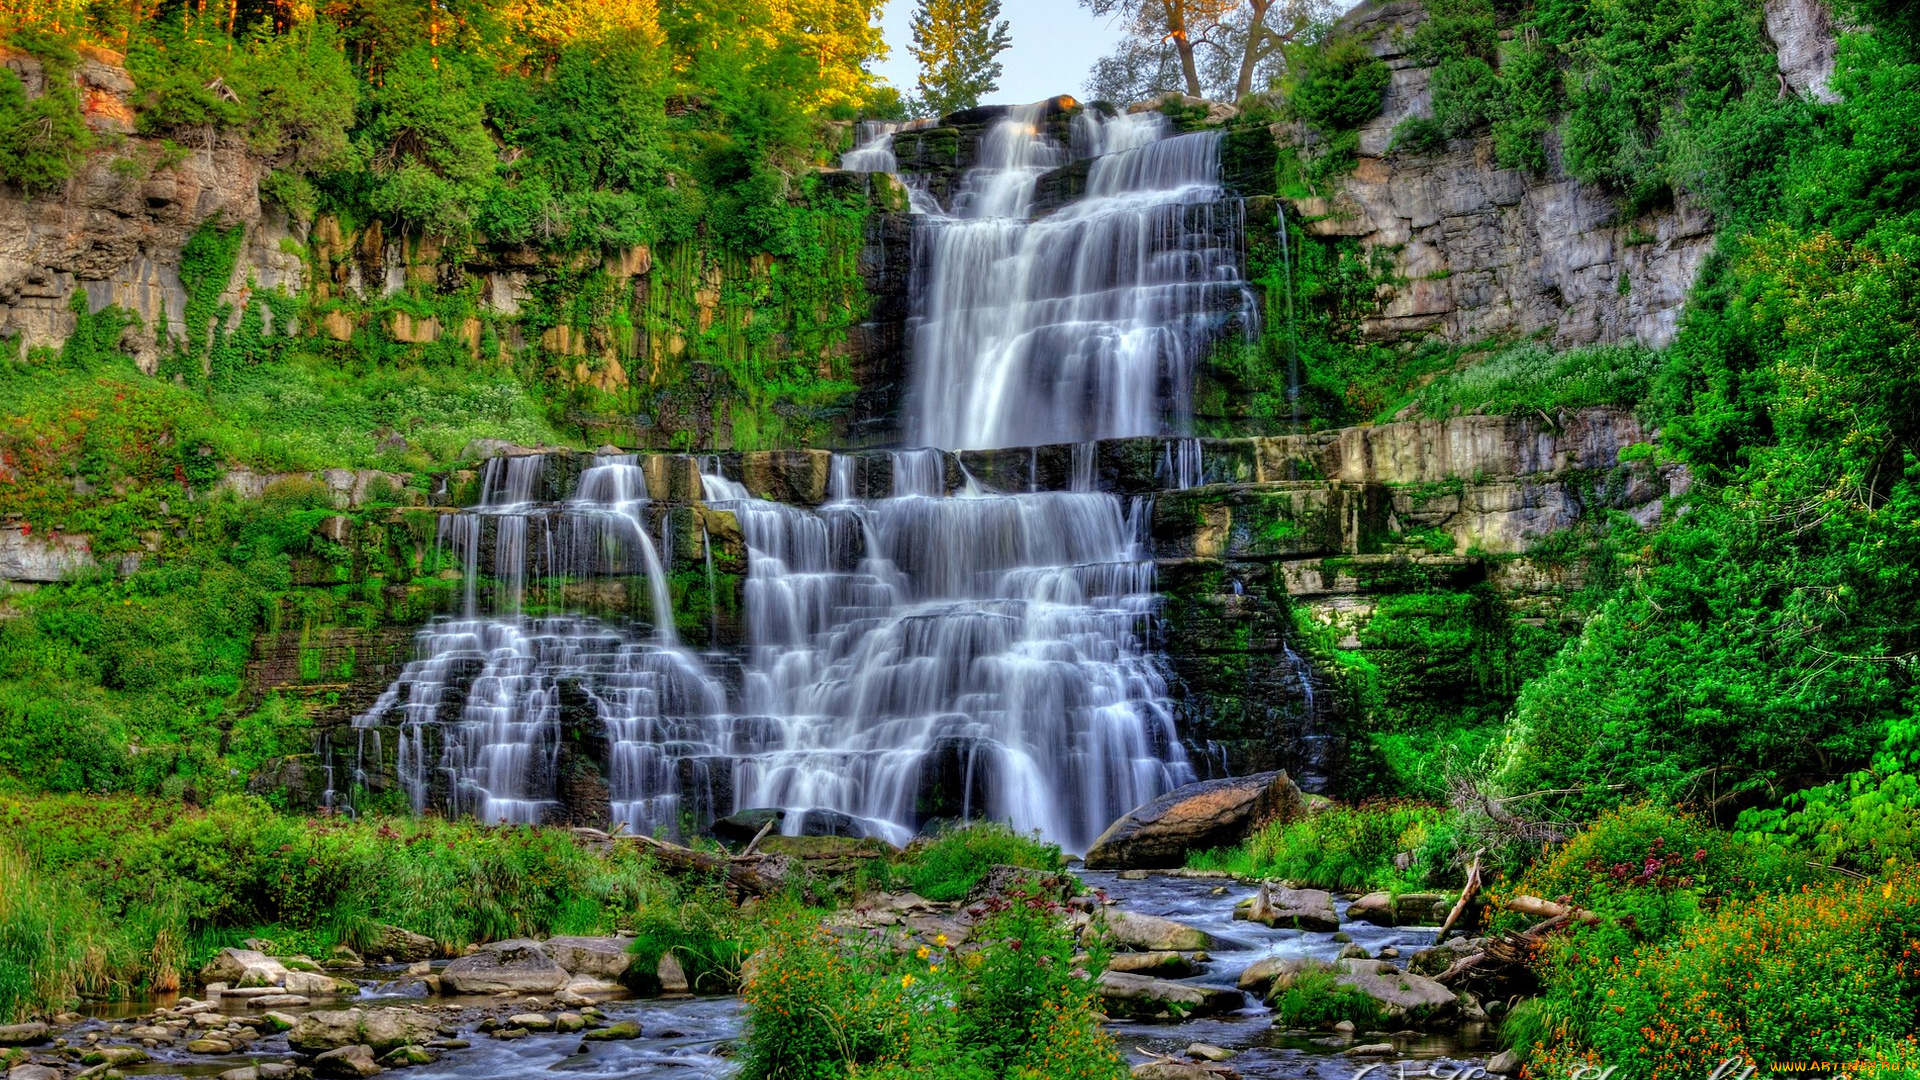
1209	814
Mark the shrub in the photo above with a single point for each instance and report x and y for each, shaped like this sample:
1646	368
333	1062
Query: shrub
1818	974
949	867
1342	847
1530	377
1315	999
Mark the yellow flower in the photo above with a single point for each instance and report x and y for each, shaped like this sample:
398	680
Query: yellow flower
906	981
940	940
921	952
934	970
1888	891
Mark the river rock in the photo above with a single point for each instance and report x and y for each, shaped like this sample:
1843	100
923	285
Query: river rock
1209	814
1370	1050
1133	932
23	1034
741	826
115	1057
1161	964
672	976
381	1029
1208	1052
1144	997
600	957
519	965
1300	909
348	1061
1404	997
309	983
1407	909
624	1029
402	1056
1275	973
31	1071
1504	1063
402	945
1171	1070
243	967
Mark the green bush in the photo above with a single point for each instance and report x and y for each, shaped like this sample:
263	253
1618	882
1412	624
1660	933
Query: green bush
1342	847
950	866
1530	377
41	141
1315	999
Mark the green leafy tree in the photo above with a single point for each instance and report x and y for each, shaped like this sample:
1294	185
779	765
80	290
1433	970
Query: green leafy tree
956	42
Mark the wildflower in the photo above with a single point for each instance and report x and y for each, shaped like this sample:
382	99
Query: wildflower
906	981
940	940
922	952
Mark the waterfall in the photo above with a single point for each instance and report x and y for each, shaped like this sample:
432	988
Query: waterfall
1086	323
919	647
932	656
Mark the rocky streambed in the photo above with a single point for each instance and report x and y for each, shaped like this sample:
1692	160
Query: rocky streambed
1184	993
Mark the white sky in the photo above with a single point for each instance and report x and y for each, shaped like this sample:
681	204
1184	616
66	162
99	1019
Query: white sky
1055	43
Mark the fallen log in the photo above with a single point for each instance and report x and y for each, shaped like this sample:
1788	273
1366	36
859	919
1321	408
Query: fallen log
742	873
1461	967
1547	909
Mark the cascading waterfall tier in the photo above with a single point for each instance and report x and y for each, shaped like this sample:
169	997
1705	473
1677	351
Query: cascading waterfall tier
1086	323
929	656
916	650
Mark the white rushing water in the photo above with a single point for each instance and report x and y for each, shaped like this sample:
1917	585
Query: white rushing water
943	652
1086	323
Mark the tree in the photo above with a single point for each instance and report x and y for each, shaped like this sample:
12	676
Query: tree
1220	48
956	42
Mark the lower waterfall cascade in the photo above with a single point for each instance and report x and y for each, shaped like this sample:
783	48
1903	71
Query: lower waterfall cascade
924	649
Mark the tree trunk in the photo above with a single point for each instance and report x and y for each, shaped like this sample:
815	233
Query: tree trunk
1250	58
1182	44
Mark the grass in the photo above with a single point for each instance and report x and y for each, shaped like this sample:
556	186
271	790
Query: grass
949	867
1314	999
1529	377
1343	847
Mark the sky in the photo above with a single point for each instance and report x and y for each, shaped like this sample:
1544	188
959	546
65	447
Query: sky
1055	43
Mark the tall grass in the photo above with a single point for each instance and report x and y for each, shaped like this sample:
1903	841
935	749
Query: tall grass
58	945
949	867
1343	847
1527	377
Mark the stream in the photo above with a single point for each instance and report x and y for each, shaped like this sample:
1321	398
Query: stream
695	1039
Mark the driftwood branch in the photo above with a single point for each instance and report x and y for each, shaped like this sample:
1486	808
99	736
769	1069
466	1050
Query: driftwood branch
1461	967
1547	909
1466	895
754	844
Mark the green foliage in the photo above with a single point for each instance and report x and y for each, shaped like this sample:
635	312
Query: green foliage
1334	85
42	140
1816	975
1315	999
1013	1003
956	43
1342	847
694	921
950	866
1529	378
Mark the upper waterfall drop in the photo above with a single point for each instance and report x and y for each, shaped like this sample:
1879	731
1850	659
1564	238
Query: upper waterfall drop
1086	323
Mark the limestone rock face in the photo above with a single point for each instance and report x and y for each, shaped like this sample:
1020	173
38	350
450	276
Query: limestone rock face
1209	814
1805	41
1485	251
519	965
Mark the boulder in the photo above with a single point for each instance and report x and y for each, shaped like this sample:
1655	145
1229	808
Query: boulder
1407	909
23	1034
1171	1070
348	1061
601	957
1504	1063
1142	997
114	1057
741	826
1132	932
519	966
233	967
402	1056
1275	973
1404	997
1208	1052
31	1071
380	1029
1209	814
672	976
402	945
1299	909
1162	964
311	984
